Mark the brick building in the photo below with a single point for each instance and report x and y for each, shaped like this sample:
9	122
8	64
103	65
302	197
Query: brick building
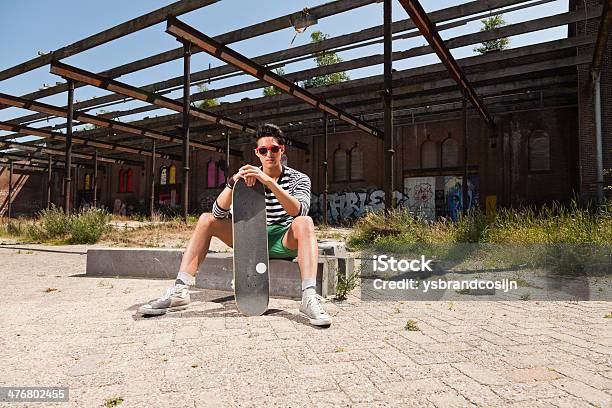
543	148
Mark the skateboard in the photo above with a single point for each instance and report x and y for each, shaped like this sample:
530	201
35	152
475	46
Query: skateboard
251	279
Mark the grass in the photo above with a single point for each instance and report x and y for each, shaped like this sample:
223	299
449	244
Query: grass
113	402
411	325
53	226
555	224
507	240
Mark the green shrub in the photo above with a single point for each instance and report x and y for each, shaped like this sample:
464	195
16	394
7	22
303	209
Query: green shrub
54	223
88	226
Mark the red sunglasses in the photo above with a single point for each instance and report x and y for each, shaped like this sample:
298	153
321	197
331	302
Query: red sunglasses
263	150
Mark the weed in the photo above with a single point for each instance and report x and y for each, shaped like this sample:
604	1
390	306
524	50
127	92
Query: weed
526	296
346	285
608	316
411	325
113	402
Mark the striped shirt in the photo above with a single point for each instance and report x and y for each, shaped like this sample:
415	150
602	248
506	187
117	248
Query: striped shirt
297	184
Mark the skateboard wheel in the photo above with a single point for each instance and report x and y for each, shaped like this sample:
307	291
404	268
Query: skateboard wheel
261	267
233	287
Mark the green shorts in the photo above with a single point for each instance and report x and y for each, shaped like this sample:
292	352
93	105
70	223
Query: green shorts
276	249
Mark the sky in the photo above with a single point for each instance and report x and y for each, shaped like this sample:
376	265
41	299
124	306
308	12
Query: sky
36	26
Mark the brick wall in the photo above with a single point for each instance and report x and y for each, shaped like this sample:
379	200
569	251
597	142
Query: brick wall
587	150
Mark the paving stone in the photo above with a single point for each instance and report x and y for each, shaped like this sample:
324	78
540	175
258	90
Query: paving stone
487	354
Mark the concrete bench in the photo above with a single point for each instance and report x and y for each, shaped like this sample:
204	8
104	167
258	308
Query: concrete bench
216	272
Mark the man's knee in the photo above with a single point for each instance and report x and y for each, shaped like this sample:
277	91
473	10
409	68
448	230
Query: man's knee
206	220
304	225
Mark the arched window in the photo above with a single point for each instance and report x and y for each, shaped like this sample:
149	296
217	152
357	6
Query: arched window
129	181
221	166
172	175
163	175
539	151
356	160
340	164
450	153
429	159
121	181
87	183
211	179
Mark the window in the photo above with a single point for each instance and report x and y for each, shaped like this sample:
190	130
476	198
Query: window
121	181
87	183
429	159
163	175
211	168
356	160
172	175
450	153
221	166
129	181
340	164
539	151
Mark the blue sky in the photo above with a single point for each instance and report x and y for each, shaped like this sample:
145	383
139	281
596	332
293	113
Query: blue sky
41	25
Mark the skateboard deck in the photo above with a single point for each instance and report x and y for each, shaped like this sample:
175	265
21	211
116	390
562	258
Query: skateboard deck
251	279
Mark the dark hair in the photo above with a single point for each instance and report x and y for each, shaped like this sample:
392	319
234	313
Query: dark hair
269	129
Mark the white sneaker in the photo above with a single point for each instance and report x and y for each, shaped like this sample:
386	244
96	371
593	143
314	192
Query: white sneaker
176	298
311	307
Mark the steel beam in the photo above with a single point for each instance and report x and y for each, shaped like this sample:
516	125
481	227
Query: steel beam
94	182
464	180
68	160
325	168
49	175
136	24
60	152
387	99
228	171
605	23
185	32
185	128
153	174
437	16
428	30
47	134
90	78
243	33
10	189
16	166
98	121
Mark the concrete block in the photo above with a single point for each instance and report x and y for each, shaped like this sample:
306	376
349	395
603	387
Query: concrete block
216	272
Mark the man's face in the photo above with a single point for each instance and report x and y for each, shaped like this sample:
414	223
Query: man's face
265	151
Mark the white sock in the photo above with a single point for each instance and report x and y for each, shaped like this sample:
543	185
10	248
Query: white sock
309	283
185	278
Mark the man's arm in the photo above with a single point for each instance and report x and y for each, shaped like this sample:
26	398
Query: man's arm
290	204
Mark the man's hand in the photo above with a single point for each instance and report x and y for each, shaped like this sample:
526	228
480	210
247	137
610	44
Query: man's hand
251	174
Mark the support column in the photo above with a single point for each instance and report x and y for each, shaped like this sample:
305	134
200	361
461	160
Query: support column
68	161
75	188
186	109
49	183
10	190
325	167
228	171
464	181
153	173
389	174
95	180
598	139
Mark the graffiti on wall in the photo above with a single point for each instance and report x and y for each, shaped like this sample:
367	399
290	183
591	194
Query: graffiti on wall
453	194
420	196
350	205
